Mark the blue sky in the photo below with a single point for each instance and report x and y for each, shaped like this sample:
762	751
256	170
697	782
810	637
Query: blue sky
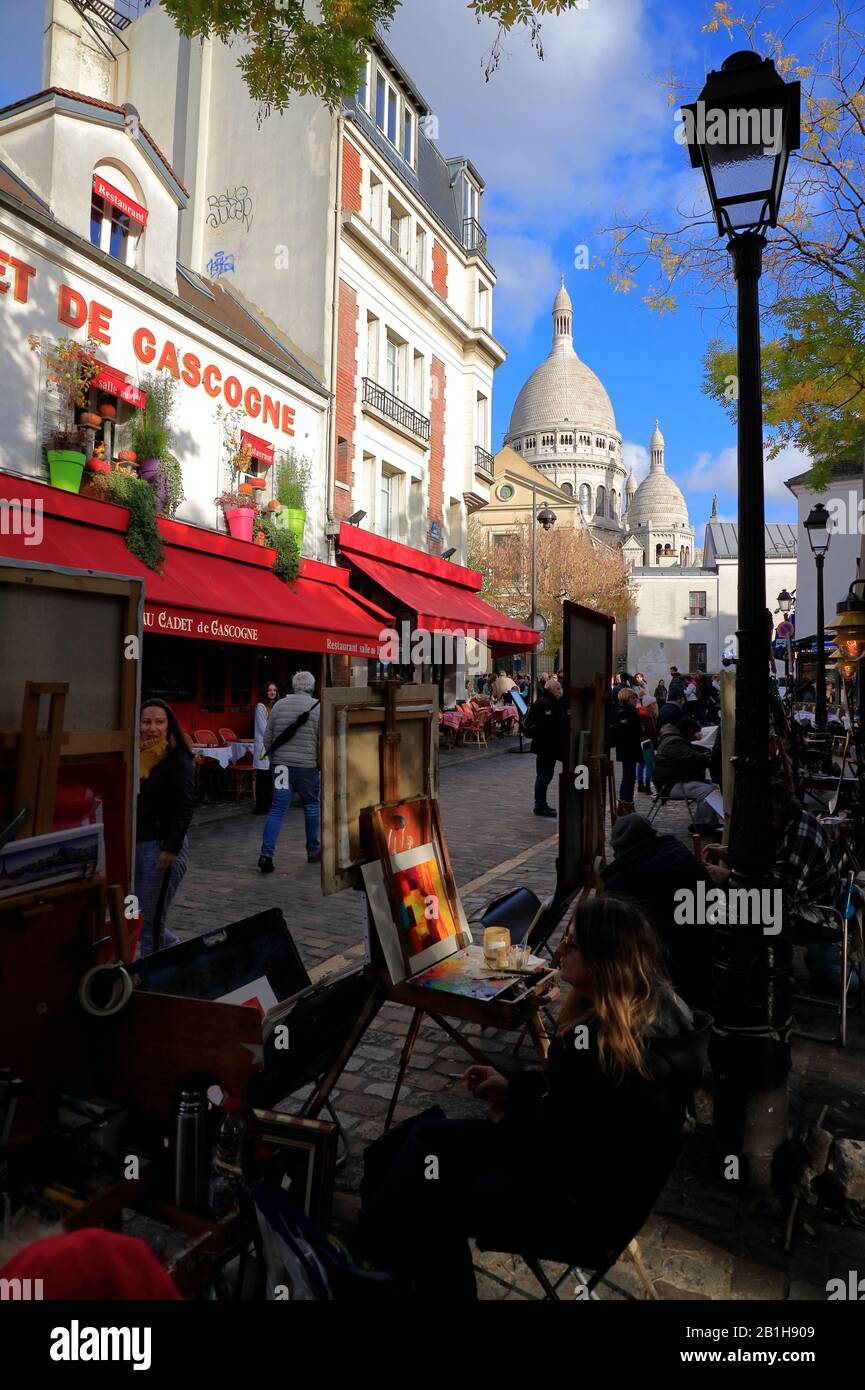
564	146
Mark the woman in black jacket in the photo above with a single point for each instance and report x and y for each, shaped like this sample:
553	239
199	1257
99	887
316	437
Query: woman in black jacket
605	1115
627	736
165	801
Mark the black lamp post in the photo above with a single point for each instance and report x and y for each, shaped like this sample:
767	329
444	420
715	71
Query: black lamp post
740	133
547	518
819	536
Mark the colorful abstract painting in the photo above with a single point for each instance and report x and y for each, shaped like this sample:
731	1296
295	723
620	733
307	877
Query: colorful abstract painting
423	912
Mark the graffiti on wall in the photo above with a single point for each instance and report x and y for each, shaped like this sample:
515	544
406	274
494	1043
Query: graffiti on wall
220	263
234	205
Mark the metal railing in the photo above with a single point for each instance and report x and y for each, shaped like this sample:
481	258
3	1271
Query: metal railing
395	409
484	462
474	236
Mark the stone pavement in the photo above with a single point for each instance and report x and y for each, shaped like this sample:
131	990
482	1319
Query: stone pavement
703	1240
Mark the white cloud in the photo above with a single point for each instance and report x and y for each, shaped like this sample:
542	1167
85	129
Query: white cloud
561	142
525	272
635	456
719	473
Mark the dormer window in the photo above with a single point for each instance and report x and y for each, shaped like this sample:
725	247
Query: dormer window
117	218
363	89
408	128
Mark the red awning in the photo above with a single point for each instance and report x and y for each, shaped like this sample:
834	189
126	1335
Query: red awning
259	448
103	189
213	587
116	383
444	596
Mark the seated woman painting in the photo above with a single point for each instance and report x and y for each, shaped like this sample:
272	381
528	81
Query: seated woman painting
569	1160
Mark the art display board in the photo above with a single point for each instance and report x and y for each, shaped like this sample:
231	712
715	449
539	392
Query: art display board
588	647
379	744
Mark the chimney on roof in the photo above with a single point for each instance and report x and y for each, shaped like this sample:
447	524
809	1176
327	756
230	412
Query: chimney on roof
76	54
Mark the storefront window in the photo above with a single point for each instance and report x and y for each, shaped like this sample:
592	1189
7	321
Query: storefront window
169	669
213	678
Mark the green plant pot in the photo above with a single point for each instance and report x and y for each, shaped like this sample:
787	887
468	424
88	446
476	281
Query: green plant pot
66	467
294	520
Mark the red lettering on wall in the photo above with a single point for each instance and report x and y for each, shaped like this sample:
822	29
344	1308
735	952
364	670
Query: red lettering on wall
71	307
252	402
100	322
287	419
271	412
212	380
168	360
233	391
144	345
191	373
23	272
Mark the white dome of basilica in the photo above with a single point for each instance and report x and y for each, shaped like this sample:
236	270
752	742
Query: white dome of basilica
562	390
658	501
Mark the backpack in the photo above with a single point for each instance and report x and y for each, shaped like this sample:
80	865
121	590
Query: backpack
303	1265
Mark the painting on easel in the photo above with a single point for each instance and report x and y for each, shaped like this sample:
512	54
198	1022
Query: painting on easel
588	676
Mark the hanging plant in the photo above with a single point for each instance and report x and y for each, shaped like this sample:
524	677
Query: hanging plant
287	561
71	368
171	482
142	537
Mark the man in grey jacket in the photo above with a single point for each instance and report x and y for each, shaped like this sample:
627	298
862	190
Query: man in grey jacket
294	768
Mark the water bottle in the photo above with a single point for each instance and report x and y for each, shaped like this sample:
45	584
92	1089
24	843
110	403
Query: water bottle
190	1151
226	1173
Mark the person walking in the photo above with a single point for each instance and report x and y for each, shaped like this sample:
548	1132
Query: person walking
677	684
263	781
291	744
545	725
166	797
648	712
626	737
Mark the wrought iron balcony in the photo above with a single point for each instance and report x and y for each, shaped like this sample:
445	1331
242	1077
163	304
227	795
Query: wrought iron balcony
474	236
484	462
395	409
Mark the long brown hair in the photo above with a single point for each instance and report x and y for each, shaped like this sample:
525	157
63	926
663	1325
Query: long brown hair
176	736
622	951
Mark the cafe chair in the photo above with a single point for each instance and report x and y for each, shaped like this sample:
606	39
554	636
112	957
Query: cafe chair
206	738
228	736
474	730
662	794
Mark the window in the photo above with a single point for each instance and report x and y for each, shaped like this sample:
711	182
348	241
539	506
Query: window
363	89
548	441
372	340
391	115
398	227
416	511
380	101
506	492
385	107
420	251
419	383
376	199
613	504
568	488
599	443
696	656
566	441
395	366
601	501
389	516
612	446
111	229
482	422
531	442
501	539
484	307
697	604
408	135
586	500
470	200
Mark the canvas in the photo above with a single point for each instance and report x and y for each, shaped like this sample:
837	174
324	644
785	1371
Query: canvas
424	916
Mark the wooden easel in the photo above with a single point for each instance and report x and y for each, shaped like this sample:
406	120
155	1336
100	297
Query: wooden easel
39	756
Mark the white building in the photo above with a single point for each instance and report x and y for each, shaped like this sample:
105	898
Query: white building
350	237
686	615
843	497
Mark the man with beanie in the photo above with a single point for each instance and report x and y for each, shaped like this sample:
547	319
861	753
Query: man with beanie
651	869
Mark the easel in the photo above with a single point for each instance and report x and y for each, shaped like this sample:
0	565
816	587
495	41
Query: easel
439	1006
39	756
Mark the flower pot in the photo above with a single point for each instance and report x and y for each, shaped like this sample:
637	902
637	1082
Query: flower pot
245	489
108	411
257	483
97	466
240	522
128	456
148	470
90	421
294	520
66	467
273	505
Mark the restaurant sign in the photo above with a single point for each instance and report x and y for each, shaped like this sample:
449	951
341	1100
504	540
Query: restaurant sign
213	627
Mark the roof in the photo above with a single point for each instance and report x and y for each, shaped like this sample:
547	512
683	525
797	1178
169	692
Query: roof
86	100
723	537
843	468
11	183
563	390
202	299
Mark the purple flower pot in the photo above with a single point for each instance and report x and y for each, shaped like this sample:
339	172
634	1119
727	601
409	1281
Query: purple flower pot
148	469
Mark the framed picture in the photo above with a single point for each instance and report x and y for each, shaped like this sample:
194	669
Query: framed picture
303	1159
42	861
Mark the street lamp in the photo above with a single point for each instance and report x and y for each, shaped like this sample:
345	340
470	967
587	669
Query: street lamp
820	536
547	518
740	133
785	603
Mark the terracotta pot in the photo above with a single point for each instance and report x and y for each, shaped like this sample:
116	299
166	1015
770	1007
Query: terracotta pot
108	411
128	456
273	505
90	421
97	466
245	489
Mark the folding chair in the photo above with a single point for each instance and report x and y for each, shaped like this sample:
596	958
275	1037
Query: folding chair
662	795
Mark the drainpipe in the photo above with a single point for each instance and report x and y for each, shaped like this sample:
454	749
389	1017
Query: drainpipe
334	334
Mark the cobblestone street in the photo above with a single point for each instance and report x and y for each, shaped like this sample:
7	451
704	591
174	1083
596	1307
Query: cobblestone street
703	1242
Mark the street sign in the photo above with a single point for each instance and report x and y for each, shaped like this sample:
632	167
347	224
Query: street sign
784	629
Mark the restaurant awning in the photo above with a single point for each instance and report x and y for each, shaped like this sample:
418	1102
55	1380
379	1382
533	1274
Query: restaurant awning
443	596
212	587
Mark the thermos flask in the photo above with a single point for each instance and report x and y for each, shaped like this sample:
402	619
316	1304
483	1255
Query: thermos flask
191	1158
